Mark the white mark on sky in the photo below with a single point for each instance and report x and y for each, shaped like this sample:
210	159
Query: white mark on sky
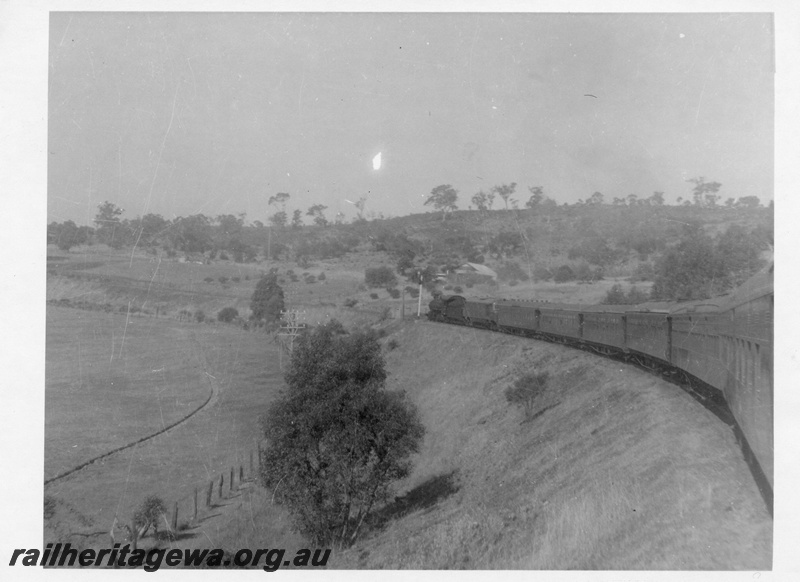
376	162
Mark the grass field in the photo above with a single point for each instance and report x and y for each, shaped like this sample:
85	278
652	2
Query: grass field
245	367
111	379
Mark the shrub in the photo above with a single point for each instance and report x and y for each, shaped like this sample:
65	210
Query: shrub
223	280
583	272
209	279
380	277
199	316
351	302
151	512
617	296
236	279
526	390
448	287
635	296
223	256
542	274
310	279
412	291
392	345
513	283
373	295
469	286
563	274
227	315
394	292
321	277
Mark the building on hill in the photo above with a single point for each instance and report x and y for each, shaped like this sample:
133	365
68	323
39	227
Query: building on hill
475	273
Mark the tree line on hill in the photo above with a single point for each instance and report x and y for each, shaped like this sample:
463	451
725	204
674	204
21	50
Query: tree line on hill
705	194
580	242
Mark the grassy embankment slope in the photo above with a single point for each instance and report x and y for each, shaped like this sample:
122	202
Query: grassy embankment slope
618	469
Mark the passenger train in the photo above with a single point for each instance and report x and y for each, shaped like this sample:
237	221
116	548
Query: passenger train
725	344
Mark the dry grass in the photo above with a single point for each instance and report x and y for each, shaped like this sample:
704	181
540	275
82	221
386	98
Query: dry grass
618	470
112	379
246	368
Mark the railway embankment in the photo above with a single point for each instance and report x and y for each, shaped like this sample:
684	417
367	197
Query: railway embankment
613	469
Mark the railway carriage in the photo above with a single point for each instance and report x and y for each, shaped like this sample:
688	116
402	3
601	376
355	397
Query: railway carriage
514	315
604	326
648	333
560	322
696	342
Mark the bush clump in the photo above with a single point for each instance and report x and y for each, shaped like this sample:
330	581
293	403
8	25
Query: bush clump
351	302
227	315
394	292
380	277
526	390
617	296
151	512
563	274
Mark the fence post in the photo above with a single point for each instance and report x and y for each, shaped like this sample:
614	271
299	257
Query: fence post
251	463
221	480
241	474
195	505
230	485
209	493
175	518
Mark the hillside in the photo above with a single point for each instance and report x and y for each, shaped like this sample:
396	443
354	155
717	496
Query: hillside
616	470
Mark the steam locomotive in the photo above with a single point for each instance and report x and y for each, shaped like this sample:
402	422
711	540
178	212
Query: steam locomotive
724	343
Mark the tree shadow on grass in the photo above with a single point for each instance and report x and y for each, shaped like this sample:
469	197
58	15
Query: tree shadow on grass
424	496
539	413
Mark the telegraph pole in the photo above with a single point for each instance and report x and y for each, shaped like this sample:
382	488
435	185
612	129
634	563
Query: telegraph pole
290	329
419	301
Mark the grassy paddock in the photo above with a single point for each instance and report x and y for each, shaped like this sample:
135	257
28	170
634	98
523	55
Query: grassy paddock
112	379
245	367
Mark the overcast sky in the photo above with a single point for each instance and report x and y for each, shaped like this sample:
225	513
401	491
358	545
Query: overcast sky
180	113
